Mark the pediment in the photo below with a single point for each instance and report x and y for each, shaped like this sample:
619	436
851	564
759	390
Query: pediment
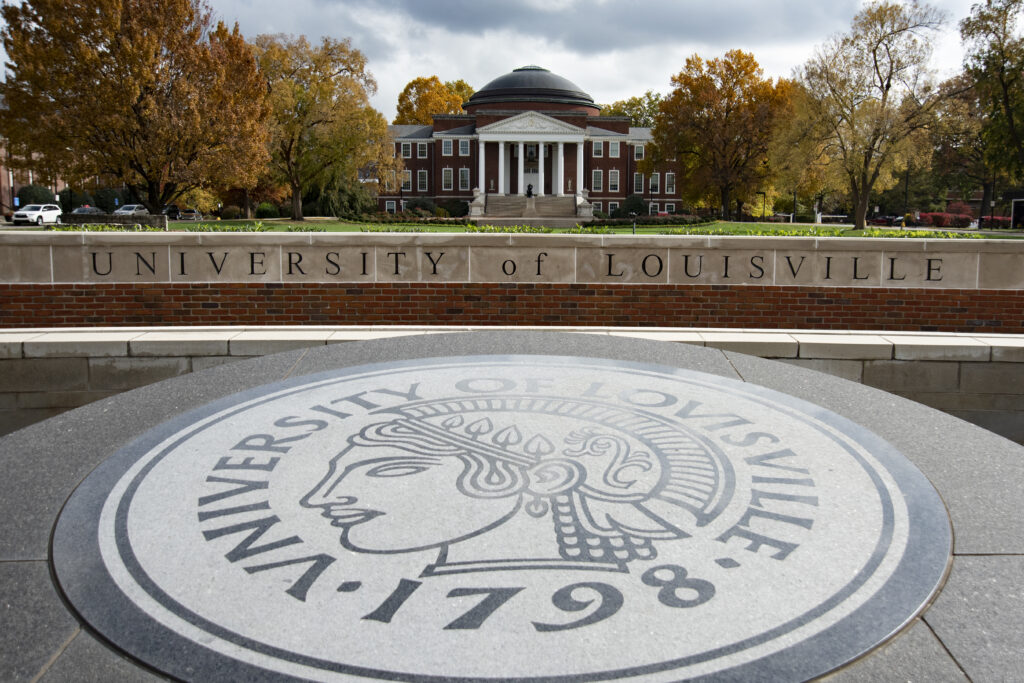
530	122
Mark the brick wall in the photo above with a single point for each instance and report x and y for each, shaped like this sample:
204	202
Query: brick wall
460	303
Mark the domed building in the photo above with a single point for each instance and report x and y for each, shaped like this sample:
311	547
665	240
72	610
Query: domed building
530	144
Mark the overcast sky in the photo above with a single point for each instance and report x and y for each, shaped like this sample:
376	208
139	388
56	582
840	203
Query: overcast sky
612	49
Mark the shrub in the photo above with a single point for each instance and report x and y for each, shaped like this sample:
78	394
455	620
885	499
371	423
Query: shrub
70	199
421	204
600	214
267	210
109	199
946	220
634	204
455	207
230	212
34	194
959	208
995	222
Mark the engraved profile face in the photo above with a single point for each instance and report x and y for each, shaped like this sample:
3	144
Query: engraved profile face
608	480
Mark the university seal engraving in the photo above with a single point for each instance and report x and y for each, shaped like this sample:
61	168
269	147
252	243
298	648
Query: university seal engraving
503	517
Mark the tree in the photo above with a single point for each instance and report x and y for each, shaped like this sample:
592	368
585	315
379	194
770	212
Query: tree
153	94
718	123
871	97
323	129
641	110
995	60
461	88
963	157
425	96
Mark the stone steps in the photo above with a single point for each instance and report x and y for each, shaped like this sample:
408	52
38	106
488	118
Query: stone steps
500	205
513	206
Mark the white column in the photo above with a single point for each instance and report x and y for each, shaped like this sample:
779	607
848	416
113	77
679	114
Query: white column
501	167
560	175
579	167
540	169
522	169
481	180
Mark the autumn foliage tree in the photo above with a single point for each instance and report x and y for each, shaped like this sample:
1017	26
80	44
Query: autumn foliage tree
718	122
323	129
425	96
153	94
995	62
871	97
641	110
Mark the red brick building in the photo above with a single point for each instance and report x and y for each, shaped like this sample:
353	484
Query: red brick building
530	132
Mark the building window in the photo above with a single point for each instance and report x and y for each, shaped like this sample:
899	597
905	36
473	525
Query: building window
407	150
613	181
655	183
613	149
389	206
612	206
421	150
638	183
447	179
404	204
597	181
670	183
670	208
598	206
463	178
598	148
638	152
407	181
463	148
421	181
654	208
446	148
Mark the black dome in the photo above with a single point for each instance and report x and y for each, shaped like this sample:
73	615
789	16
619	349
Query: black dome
531	84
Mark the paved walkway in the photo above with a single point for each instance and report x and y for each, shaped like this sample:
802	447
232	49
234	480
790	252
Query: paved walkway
972	631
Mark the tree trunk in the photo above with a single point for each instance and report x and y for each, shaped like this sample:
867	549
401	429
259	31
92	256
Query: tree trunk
987	190
860	211
248	206
296	202
725	203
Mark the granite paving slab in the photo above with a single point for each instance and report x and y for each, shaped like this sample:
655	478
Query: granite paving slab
975	473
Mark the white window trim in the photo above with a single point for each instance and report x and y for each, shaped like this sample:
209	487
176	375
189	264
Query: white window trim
613	149
612	206
638	183
447	148
407	180
464	174
670	183
389	206
613	180
597	180
597	148
407	150
655	183
422	181
670	208
447	179
468	147
653	211
638	152
421	150
598	206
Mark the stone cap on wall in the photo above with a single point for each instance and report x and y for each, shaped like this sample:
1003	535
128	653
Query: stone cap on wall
256	341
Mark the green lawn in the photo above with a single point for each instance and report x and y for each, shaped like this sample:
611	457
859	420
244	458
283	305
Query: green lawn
714	228
717	227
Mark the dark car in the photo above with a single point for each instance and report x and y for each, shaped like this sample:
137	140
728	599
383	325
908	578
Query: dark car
171	211
191	215
93	210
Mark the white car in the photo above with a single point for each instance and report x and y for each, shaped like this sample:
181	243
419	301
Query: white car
38	214
132	210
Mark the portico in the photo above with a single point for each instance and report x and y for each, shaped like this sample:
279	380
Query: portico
531	150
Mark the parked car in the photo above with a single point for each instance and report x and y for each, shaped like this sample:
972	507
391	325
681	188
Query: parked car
190	215
132	210
171	211
90	210
38	214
